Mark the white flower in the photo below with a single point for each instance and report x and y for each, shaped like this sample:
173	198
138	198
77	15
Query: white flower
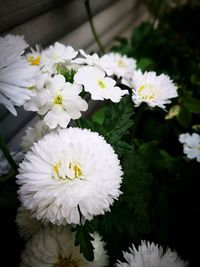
120	65
16	75
99	86
54	247
34	57
103	62
33	134
191	145
69	171
61	102
152	89
150	255
55	54
4	165
27	224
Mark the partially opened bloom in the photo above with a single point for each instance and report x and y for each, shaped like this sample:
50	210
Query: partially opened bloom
17	76
61	102
67	173
56	54
33	134
99	86
150	255
54	247
152	89
191	145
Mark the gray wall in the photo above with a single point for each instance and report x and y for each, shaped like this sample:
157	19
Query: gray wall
46	21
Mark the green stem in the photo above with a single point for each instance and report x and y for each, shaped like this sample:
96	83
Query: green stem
89	13
138	116
7	154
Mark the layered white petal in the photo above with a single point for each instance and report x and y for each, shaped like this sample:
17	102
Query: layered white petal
191	145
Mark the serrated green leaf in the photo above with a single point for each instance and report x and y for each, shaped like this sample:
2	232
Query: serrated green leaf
184	117
84	239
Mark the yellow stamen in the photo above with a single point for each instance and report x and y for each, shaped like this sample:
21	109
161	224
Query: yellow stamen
101	84
66	262
58	100
121	63
56	167
34	60
77	171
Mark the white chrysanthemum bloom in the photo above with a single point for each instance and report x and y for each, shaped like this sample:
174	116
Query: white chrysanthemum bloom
152	89
99	86
61	102
16	75
150	255
54	247
34	57
4	165
120	65
67	173
103	62
191	145
56	54
27	224
33	134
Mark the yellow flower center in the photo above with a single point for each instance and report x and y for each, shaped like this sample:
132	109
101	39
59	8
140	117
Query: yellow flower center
58	100
66	262
101	84
121	63
65	171
147	92
34	60
198	147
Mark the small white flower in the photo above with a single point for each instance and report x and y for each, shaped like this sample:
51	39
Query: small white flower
33	134
103	62
16	75
99	86
191	145
119	65
69	171
151	89
27	224
34	57
150	255
62	102
54	247
55	54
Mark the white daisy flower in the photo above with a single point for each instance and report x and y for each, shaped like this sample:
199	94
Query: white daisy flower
54	247
16	75
191	145
99	86
120	65
67	173
61	102
151	89
150	255
33	134
27	224
55	54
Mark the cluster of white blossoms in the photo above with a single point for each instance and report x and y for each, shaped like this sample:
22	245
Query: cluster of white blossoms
17	77
191	145
150	255
55	247
69	176
152	89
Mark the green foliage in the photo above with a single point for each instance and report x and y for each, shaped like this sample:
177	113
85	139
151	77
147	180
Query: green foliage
67	73
84	239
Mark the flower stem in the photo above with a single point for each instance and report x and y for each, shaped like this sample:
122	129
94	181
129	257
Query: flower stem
89	13
7	154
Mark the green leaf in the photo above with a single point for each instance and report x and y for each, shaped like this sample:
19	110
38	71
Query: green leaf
99	116
145	64
184	117
122	147
84	239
